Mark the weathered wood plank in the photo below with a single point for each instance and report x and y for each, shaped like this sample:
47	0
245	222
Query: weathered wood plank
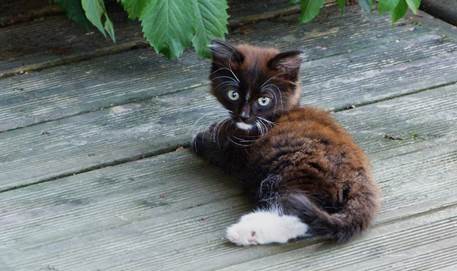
170	212
371	124
105	137
57	40
27	47
12	12
140	74
42	98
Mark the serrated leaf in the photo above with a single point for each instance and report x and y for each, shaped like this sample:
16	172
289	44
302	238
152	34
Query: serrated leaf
399	11
134	8
366	5
414	5
210	21
387	5
341	5
310	9
168	26
74	11
96	13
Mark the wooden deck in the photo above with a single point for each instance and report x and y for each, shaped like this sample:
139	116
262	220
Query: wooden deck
93	175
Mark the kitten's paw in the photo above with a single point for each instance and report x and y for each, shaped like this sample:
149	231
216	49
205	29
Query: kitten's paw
197	142
265	227
242	235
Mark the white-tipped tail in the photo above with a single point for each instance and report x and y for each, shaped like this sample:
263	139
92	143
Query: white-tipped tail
265	227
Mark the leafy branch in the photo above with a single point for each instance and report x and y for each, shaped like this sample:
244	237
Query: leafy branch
170	26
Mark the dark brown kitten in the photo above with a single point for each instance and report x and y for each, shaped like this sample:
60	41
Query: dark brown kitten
303	170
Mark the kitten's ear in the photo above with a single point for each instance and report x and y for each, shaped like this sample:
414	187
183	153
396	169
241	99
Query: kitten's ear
224	52
288	63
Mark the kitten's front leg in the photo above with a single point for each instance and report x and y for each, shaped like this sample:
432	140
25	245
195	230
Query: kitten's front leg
204	144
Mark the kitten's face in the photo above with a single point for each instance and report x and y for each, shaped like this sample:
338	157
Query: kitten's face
254	84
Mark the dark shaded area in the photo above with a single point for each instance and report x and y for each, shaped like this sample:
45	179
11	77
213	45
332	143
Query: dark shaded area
446	10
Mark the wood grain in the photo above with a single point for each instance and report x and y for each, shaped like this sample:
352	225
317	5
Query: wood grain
105	137
170	212
140	74
86	87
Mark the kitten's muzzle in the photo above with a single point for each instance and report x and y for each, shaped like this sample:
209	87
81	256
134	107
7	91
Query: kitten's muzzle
245	114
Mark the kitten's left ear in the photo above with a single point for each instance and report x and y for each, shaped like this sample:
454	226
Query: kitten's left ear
288	63
223	51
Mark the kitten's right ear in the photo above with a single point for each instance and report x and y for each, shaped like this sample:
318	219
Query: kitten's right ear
225	52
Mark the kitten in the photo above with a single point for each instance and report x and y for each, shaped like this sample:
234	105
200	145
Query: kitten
303	171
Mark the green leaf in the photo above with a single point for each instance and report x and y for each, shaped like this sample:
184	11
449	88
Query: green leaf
97	15
399	11
414	5
366	5
110	29
310	9
210	21
134	8
74	11
341	5
387	5
168	26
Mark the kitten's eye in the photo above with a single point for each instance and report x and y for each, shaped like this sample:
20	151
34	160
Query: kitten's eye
233	95
264	101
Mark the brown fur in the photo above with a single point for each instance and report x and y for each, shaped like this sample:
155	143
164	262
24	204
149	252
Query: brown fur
300	158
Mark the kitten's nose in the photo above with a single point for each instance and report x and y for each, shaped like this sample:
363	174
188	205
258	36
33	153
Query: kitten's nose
244	116
245	113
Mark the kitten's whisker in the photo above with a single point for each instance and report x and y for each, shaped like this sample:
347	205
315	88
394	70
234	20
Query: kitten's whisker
227	85
226	77
258	127
266	81
215	133
261	127
264	126
230	69
197	126
221	69
236	143
276	100
209	114
267	121
243	140
272	87
291	82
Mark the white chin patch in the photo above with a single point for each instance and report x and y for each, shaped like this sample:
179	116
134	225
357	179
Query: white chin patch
243	126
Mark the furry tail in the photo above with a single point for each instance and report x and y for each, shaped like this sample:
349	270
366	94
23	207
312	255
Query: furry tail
355	216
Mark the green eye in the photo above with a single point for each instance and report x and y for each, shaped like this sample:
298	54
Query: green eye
264	101
233	95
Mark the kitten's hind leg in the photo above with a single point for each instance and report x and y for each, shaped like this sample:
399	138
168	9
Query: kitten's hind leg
265	227
268	224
